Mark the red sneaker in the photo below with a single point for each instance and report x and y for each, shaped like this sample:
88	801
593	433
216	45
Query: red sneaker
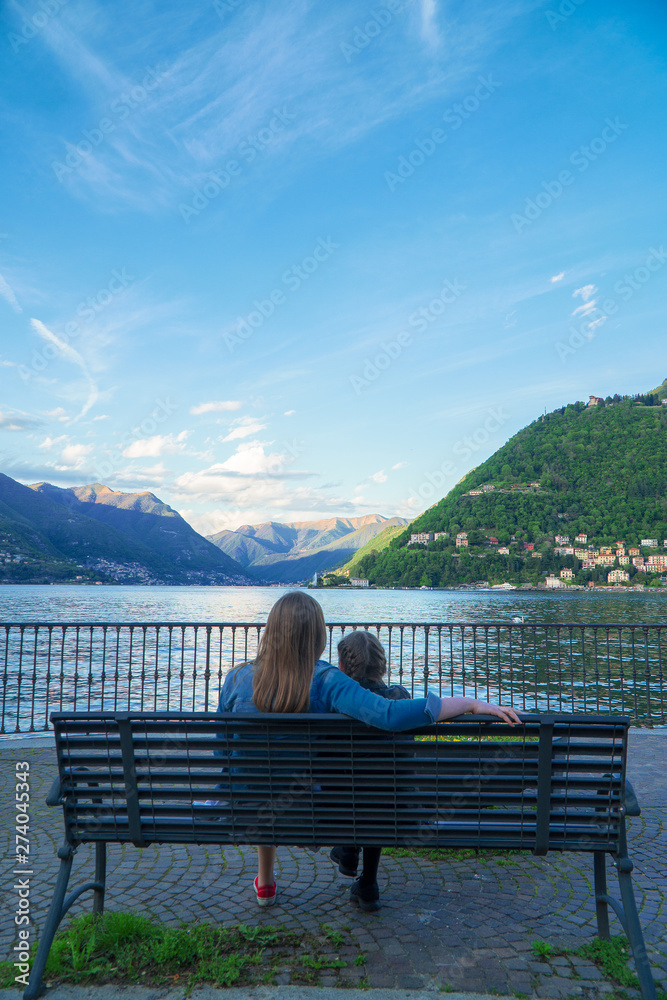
266	894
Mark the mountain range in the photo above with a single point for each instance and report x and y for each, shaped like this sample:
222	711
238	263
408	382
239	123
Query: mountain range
92	533
291	553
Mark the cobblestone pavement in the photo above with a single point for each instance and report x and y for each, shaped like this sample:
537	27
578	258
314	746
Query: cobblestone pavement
457	924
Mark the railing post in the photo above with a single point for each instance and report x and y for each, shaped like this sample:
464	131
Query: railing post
647	678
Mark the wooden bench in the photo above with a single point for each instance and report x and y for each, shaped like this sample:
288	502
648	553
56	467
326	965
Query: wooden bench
557	783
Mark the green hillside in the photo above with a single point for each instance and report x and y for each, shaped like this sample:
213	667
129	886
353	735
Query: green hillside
377	544
598	470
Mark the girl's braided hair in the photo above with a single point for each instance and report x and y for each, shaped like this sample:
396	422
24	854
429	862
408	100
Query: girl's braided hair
362	657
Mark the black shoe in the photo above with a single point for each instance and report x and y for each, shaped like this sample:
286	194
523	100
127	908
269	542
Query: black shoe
366	896
347	861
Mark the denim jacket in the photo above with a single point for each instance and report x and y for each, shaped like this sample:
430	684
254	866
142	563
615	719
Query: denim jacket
332	691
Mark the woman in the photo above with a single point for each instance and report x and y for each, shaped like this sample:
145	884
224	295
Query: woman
289	676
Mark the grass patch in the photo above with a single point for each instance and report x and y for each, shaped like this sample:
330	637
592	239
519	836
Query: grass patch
611	958
541	949
451	854
131	948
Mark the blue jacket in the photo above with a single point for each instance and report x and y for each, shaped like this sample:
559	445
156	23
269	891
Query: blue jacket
332	691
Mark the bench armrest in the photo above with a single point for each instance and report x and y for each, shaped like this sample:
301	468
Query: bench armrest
631	801
55	796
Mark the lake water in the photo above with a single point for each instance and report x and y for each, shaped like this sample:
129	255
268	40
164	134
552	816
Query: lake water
162	648
252	604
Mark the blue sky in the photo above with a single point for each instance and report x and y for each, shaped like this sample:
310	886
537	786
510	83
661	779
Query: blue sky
295	260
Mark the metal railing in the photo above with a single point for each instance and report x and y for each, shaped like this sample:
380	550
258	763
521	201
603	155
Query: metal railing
161	666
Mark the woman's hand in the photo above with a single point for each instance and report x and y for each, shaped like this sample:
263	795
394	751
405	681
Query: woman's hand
488	708
451	707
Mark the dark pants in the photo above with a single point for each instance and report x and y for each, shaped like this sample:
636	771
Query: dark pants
349	856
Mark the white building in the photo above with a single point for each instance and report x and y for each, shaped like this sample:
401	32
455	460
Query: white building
649	543
421	538
553	582
618	576
358	581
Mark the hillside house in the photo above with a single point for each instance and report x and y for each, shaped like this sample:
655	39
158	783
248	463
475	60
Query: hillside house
441	534
633	552
492	540
566	574
421	537
638	561
649	543
503	550
618	576
529	546
581	538
554	582
605	560
624	560
462	540
358	581
581	554
588	564
562	539
657	562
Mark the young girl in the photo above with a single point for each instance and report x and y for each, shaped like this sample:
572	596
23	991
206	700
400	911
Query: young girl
289	676
361	656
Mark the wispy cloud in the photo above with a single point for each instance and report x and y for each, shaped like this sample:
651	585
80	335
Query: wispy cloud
18	421
429	27
8	295
585	293
557	277
68	353
244	427
222	406
240	72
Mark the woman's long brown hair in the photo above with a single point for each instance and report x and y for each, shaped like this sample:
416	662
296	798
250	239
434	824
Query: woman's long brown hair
294	638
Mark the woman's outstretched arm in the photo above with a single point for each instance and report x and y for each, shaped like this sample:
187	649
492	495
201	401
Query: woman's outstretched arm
451	707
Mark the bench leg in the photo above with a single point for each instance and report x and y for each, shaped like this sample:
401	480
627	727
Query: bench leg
634	930
100	877
601	911
55	915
